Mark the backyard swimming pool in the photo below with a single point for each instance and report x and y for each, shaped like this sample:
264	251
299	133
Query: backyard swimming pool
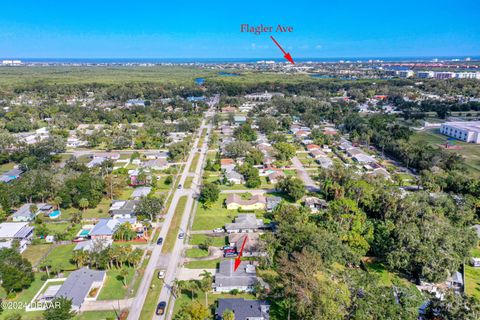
55	214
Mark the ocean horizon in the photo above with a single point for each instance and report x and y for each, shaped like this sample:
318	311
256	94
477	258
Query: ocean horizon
234	60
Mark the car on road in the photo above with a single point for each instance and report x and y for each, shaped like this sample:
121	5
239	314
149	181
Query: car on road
161	308
160	241
161	274
179	186
181	235
199	150
218	230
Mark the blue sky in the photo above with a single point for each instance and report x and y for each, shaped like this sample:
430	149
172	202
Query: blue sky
211	29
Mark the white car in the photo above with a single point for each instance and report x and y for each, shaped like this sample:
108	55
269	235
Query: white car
218	230
161	274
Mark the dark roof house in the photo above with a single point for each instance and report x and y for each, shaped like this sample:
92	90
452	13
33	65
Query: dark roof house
79	284
243	309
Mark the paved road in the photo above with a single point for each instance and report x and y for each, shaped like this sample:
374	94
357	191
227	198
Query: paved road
137	304
303	174
174	265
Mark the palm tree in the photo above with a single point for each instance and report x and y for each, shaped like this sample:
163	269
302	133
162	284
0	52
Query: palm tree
206	284
80	257
83	203
57	201
124	275
135	257
46	265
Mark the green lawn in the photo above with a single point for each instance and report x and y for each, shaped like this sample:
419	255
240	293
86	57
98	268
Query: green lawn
472	276
35	253
114	288
101	211
205	264
385	277
214	217
196	253
197	239
161	185
175	225
472	281
6	167
150	303
60	257
471	152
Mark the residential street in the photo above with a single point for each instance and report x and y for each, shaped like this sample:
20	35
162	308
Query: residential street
303	174
174	262
137	304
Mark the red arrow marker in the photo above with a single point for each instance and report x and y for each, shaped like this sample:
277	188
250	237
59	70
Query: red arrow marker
237	260
286	55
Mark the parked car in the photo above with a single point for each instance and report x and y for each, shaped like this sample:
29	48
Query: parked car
218	230
179	186
161	308
181	235
161	274
230	254
160	241
228	248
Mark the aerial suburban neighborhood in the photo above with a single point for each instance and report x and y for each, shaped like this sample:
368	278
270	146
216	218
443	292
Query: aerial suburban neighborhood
288	188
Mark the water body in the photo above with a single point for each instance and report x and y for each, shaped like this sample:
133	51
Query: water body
199	81
227	74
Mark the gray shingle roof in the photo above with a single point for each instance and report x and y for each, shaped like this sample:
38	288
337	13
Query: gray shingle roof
106	227
245	221
78	285
243	309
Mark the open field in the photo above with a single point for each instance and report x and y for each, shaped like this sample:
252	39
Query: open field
471	152
65	75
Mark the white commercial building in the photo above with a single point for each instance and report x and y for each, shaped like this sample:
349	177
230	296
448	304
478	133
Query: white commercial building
468	131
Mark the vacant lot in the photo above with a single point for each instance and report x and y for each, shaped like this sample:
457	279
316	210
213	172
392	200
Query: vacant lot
471	152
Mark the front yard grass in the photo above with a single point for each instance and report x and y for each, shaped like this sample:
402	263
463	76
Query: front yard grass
197	239
203	264
24	297
114	288
196	253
